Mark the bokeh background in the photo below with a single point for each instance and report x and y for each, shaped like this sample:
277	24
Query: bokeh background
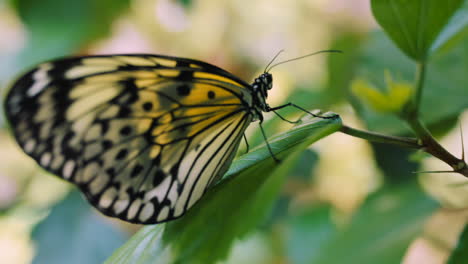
347	195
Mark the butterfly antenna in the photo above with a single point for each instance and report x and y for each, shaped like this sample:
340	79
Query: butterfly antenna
301	57
274	58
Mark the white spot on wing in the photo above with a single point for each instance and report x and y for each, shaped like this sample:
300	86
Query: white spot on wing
93	133
89	103
173	195
107	198
84	70
40	78
159	191
57	162
135	61
88	172
133	209
68	169
98	184
29	146
121	204
146	212
163	214
45	159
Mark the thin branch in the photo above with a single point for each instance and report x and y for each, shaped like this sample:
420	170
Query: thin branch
380	138
431	146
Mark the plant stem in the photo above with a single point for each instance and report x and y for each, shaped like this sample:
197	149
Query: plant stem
380	138
420	78
431	146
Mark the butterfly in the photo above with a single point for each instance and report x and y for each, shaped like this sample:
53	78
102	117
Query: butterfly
142	136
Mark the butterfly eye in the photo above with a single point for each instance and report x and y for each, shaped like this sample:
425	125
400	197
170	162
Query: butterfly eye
267	80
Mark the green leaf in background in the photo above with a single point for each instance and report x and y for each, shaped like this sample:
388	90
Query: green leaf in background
380	231
305	166
145	246
341	69
300	175
460	254
231	209
454	31
308	231
57	28
395	163
414	24
446	83
74	233
185	3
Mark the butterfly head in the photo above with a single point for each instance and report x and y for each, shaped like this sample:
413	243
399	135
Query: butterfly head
267	80
260	88
263	83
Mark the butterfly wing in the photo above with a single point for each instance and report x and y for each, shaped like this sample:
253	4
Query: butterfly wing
142	136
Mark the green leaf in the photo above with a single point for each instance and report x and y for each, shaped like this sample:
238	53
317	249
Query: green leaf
305	166
380	232
75	233
454	31
395	163
231	209
307	231
185	3
396	95
145	246
57	28
444	95
414	24
460	254
341	69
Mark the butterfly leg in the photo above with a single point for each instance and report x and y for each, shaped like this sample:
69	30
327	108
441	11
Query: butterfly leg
284	119
300	108
246	144
268	144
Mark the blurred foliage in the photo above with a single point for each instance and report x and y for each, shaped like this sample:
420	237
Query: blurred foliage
460	254
74	233
392	100
379	232
185	3
395	163
445	85
58	28
283	199
414	25
456	29
340	69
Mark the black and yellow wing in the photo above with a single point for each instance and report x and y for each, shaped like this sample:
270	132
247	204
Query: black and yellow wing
142	136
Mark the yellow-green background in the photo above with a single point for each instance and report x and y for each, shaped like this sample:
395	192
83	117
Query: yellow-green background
323	206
